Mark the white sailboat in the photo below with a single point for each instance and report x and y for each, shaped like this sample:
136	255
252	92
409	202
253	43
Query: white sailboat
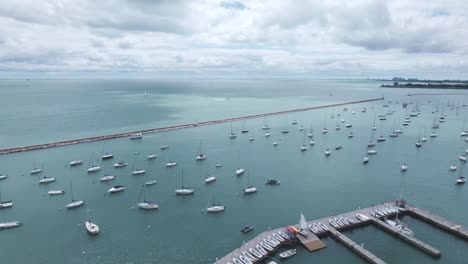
214	207
184	190
116	189
250	188
145	204
200	156
5	204
91	167
303	226
107	178
74	203
265	126
46	179
120	164
239	171
76	163
232	135
244	129
209	178
92	228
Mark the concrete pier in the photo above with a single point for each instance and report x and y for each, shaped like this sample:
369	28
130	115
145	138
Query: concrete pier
169	128
409	239
313	242
361	251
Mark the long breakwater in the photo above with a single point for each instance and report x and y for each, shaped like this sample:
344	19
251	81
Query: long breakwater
168	128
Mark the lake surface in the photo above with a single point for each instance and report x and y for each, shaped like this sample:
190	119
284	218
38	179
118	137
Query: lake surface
40	111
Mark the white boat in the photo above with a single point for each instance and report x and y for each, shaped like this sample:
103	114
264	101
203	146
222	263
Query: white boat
46	180
374	127
453	168
266	246
324	130
36	171
5	204
149	183
209	178
120	164
244	129
404	167
285	131
327	152
232	135
337	127
433	135
200	156
148	205
240	171
278	237
236	261
418	143
348	125
275	144
261	250
381	139
249	256
402	228
107	156
107	178
184	190
423	139
164	147
251	138
464	133
350	135
304	147
92	228
267	134
94	169
171	164
372	151
215	208
116	189
314	229
7	225
256	253
365	160
74	204
362	217
323	226
136	136
265	126
245	259
76	163
151	156
462	158
250	189
56	192
311	142
460	180
338	147
138	172
287	254
3	176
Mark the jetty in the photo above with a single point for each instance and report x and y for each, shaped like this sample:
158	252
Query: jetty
312	240
169	128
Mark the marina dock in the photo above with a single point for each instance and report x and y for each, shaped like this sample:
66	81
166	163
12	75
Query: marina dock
169	128
312	241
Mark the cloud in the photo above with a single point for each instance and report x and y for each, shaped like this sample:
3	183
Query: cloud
310	37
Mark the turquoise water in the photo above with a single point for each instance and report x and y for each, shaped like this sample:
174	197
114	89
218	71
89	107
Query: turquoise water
179	232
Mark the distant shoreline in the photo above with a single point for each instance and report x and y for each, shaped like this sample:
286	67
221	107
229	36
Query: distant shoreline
426	86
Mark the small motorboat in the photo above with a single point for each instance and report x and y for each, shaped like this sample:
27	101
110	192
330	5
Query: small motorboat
303	148
151	156
200	157
283	235
350	135
6	204
374	127
461	180
245	260
171	164
423	139
261	250
94	169
266	246
337	127
247	229
120	164
149	183
218	165
453	168
56	192
294	122
267	134
256	253
272	182
287	254
76	163
348	125
250	189
313	229
215	208
240	171
136	136
362	217
365	160
116	189
232	135
138	172
337	147
236	261
370	144
251	138
164	147
265	127
148	205
248	255
372	152
278	237
327	152
324	130
285	131
275	144
107	178
462	158
3	176
323	226
92	228
433	135
418	143
311	142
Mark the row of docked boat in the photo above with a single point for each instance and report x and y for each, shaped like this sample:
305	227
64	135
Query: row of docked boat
318	228
384	211
264	247
341	222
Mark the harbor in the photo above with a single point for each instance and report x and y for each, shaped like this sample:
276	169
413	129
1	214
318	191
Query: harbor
312	241
169	128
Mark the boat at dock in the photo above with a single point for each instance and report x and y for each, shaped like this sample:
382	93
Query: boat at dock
136	136
287	254
247	229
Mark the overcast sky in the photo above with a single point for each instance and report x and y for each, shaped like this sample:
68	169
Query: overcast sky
328	39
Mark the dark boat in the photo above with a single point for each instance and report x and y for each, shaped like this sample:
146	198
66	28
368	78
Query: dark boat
272	182
247	229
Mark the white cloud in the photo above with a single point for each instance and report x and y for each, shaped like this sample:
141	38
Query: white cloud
315	38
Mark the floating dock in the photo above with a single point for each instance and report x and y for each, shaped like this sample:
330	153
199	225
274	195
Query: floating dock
161	129
312	241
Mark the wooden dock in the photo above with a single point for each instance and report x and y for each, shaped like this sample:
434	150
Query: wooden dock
169	128
312	242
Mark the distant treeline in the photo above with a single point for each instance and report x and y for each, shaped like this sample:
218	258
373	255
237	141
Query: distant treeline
426	85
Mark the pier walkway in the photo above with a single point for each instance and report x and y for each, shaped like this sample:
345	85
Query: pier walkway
312	241
169	128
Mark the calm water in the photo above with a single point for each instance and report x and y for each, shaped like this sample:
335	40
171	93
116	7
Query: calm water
179	232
